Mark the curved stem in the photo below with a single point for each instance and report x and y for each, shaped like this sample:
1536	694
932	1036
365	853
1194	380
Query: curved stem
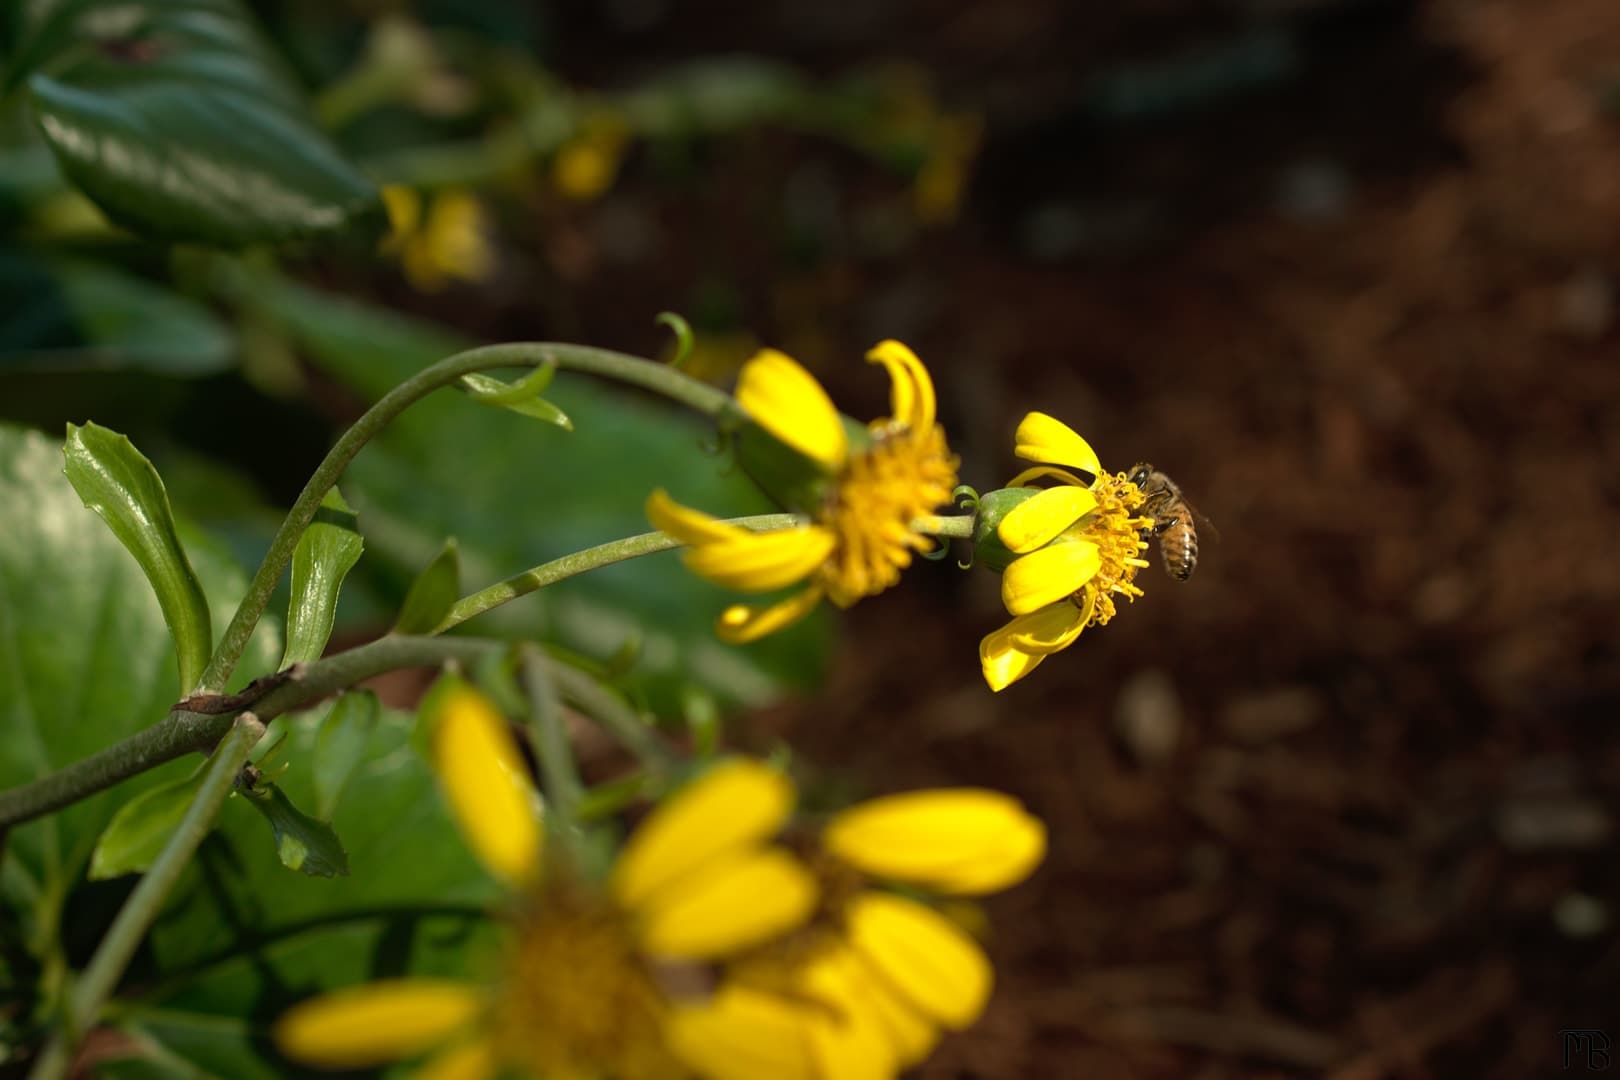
630	547
142	907
182	732
631	370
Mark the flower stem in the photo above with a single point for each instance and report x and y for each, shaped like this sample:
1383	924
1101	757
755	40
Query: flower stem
183	732
960	526
631	370
617	718
537	577
144	903
551	743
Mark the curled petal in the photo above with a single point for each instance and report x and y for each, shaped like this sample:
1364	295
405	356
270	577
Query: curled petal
733	902
1045	439
909	1032
739	624
486	783
1039	472
911	390
475	1059
372	1025
1041	517
735	805
744	1034
935	967
1052	628
691	527
1046	576
943	838
787	401
759	562
1002	662
849	1039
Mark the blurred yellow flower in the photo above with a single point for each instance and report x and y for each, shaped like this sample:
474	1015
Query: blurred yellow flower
867	989
586	165
1078	544
942	181
451	242
580	993
860	535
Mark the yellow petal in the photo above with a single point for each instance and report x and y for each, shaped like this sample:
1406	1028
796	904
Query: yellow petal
739	624
1048	575
743	1034
848	1038
940	838
759	562
1052	628
486	784
474	1060
735	805
1041	517
1038	472
729	903
931	963
689	526
911	1035
911	390
404	208
1002	663
787	401
375	1024
1045	439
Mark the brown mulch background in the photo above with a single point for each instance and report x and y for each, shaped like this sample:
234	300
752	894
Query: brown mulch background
1345	803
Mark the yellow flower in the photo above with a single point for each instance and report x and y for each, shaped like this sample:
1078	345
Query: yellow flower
585	166
1078	545
860	535
580	991
451	242
866	990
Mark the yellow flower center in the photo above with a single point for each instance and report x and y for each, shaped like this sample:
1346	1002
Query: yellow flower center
1116	530
579	1000
905	474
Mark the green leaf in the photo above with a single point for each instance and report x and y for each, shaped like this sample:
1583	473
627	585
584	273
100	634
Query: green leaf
84	316
302	843
325	554
84	659
116	481
345	733
518	494
179	120
433	593
493	392
141	827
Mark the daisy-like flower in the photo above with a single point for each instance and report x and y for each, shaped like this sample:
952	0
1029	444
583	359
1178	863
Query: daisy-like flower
1075	547
449	242
867	489
867	988
580	992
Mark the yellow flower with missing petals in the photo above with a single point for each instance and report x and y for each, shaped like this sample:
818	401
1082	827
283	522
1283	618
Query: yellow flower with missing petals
1076	546
580	992
866	990
869	488
451	242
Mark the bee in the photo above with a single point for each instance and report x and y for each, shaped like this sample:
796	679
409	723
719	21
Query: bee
1172	520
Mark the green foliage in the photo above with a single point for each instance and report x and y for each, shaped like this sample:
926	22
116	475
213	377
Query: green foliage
517	495
344	736
137	833
116	481
521	399
84	655
179	120
325	554
302	843
432	594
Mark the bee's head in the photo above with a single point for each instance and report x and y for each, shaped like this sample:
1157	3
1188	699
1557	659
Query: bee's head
1140	473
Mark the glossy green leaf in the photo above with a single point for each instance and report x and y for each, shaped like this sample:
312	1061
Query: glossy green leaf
302	843
493	392
343	738
85	659
241	939
84	316
325	554
141	827
180	121
118	483
432	594
500	484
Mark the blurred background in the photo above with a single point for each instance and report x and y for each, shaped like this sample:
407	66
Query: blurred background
1343	804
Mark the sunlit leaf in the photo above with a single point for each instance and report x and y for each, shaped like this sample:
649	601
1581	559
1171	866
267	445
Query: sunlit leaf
325	554
433	592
